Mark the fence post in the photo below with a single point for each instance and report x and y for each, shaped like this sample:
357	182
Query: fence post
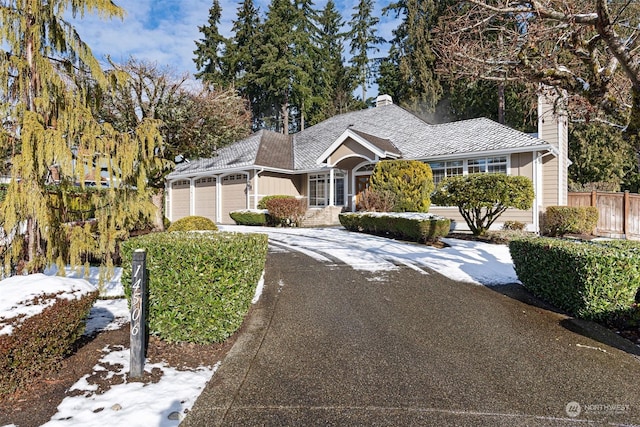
138	332
625	212
594	198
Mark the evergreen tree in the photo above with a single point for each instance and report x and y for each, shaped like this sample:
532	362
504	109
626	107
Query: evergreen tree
334	83
363	40
242	57
209	55
49	80
279	67
411	63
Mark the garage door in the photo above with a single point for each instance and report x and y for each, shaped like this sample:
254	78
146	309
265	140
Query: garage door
234	196
205	197
180	199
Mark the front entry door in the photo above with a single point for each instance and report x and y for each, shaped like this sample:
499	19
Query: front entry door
362	183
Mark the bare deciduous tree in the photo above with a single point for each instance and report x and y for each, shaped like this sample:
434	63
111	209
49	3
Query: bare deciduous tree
587	47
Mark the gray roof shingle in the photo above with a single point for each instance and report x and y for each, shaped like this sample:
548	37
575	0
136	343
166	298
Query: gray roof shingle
390	127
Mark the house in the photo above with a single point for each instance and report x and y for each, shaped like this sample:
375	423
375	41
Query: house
329	164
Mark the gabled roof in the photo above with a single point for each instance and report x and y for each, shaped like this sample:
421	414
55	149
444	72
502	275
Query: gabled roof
388	128
380	147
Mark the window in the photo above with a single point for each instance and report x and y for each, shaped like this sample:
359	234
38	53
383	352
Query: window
319	189
444	169
441	170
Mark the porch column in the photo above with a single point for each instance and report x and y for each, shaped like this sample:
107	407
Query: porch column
332	187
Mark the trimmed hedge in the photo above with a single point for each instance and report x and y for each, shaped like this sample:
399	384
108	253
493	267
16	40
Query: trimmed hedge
37	346
250	217
418	227
588	279
193	223
200	284
561	220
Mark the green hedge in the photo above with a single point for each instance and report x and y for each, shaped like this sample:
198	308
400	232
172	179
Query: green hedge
416	227
193	223
37	346
561	220
588	279
250	217
200	284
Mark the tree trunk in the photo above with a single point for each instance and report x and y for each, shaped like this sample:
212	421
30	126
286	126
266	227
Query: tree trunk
501	103
285	115
158	201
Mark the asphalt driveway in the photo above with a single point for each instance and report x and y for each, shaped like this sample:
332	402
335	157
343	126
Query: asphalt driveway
331	345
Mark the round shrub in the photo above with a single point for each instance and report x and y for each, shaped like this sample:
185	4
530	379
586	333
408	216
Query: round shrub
193	223
410	181
262	204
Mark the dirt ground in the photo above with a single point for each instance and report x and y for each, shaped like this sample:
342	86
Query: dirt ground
34	406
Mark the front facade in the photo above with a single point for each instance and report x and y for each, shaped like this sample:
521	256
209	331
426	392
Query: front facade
329	164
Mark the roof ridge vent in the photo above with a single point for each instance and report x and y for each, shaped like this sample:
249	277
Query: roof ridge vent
383	100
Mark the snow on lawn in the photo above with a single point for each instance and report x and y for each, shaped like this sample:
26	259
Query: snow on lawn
463	260
134	403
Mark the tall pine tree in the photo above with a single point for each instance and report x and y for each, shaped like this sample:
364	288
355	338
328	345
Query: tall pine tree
363	41
279	68
49	80
209	51
334	83
409	72
242	57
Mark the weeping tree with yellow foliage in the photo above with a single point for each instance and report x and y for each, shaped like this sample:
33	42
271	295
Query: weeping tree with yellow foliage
49	79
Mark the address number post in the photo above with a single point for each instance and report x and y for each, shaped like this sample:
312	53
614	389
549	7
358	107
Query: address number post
138	313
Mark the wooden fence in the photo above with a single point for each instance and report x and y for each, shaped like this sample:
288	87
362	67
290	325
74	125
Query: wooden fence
619	213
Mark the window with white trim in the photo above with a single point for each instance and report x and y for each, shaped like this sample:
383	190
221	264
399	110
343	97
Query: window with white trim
319	189
441	170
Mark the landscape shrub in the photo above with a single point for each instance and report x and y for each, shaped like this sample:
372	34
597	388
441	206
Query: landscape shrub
262	204
481	198
38	344
250	217
200	284
286	212
561	220
591	280
418	227
410	181
193	223
376	201
514	225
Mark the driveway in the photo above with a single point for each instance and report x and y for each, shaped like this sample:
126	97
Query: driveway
390	341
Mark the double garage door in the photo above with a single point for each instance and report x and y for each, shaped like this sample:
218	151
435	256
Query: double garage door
232	197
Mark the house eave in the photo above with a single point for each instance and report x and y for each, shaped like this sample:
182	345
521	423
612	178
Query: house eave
485	153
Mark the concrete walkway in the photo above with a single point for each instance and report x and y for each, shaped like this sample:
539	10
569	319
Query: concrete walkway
329	345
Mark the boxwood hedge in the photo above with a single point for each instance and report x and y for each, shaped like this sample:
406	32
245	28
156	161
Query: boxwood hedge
591	280
418	227
200	284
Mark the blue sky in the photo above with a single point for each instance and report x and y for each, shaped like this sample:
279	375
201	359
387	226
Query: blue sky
164	31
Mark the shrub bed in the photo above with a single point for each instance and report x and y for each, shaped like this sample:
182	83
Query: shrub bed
592	280
250	217
418	227
561	220
38	344
200	284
